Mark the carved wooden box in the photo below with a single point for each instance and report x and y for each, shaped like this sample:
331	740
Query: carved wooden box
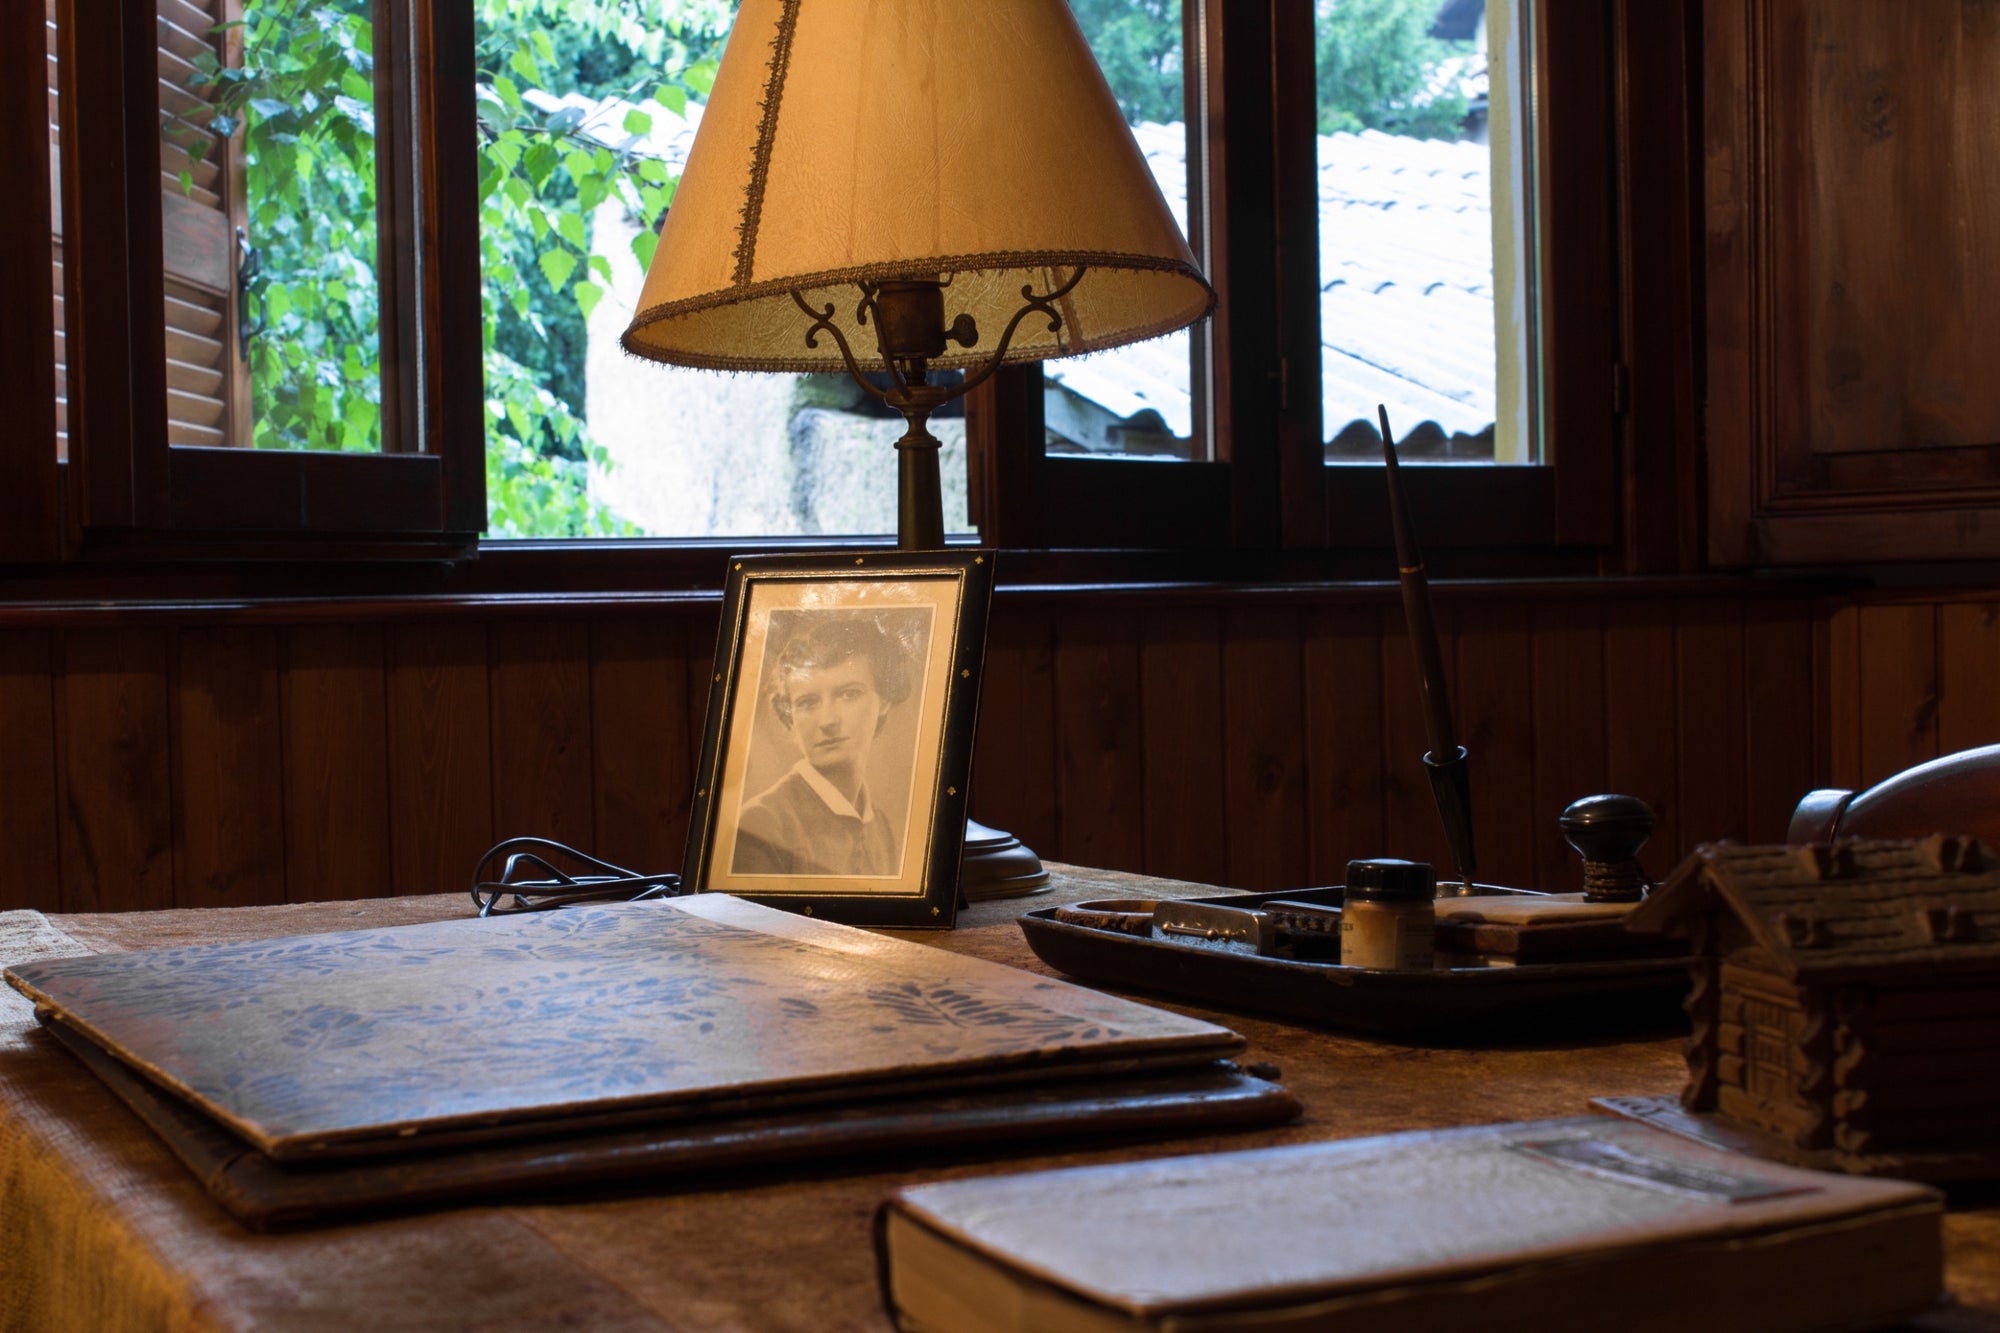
1846	999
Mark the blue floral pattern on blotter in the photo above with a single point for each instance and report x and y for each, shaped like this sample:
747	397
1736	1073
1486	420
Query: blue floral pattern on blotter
471	1022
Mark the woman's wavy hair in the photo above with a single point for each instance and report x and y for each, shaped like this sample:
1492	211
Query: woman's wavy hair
823	638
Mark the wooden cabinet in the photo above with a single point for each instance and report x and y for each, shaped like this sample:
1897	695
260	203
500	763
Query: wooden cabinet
1853	219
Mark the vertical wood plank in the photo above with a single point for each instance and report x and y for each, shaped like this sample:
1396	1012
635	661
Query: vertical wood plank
1570	751
1843	699
1410	824
1100	760
1014	753
1189	810
1640	711
336	764
229	791
440	756
1968	676
1708	665
115	770
1343	717
31	873
1777	668
1899	689
701	680
1265	752
540	674
1496	721
639	742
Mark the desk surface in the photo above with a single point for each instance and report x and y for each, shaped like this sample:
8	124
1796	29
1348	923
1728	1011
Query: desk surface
104	1228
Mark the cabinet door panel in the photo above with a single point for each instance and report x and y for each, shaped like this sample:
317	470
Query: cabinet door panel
1853	156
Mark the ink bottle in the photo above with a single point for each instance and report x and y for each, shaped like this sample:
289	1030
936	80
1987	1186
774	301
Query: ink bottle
1389	915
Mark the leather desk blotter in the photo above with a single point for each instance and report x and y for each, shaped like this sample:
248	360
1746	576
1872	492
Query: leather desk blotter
308	1077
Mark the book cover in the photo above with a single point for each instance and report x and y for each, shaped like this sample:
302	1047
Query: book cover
1588	1223
343	1045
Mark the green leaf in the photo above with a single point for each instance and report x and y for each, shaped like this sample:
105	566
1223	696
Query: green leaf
588	294
539	161
700	77
570	226
557	265
522	62
672	98
643	246
638	122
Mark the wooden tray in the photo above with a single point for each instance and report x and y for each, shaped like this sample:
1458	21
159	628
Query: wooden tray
1447	1006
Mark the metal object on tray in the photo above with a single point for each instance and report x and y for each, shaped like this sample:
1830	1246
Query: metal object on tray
1281	930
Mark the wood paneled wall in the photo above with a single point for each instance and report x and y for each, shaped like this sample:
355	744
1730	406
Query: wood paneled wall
1258	744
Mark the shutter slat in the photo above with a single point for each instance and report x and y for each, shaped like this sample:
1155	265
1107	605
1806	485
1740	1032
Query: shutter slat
185	432
193	408
191	109
174	159
205	381
185	43
170	183
192	311
192	348
188	17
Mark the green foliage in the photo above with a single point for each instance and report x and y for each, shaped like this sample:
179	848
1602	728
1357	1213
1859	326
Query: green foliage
1376	61
1138	46
304	102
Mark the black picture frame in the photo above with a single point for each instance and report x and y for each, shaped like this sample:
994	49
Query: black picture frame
796	807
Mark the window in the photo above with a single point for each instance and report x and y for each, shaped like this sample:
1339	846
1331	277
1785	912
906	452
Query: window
585	121
1298	360
222	289
1146	400
425	388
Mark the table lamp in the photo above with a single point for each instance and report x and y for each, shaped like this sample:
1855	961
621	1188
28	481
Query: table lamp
907	187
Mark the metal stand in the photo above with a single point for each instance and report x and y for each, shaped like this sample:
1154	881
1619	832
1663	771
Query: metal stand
908	314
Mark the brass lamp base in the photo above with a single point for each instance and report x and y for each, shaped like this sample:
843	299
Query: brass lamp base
998	865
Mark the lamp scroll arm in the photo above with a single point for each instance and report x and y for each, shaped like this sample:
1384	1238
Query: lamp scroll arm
823	319
1045	303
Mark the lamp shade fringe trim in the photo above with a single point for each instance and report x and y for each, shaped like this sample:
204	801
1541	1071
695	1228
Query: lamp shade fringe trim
767	134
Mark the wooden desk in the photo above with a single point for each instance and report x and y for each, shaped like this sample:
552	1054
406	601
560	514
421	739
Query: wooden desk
101	1228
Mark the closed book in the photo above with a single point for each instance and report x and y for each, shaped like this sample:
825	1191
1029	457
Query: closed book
1578	1224
317	1075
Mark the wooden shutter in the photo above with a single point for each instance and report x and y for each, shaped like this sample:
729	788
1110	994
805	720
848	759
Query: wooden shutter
207	382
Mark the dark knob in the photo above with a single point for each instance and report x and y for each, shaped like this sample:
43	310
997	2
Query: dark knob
1608	832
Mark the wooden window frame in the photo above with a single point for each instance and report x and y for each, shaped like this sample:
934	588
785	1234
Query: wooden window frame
1269	487
1268	507
129	493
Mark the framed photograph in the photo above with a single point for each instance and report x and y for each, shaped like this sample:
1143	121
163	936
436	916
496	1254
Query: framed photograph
838	746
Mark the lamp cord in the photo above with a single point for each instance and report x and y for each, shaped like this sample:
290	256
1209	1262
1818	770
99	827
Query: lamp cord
529	881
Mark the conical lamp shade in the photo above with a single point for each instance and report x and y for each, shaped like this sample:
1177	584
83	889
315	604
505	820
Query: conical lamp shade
859	140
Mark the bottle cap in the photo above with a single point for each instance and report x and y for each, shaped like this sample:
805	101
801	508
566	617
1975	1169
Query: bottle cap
1388	880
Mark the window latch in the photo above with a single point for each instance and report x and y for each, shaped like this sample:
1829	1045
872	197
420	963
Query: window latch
249	265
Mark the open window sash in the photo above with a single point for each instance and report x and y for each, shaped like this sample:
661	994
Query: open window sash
159	403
